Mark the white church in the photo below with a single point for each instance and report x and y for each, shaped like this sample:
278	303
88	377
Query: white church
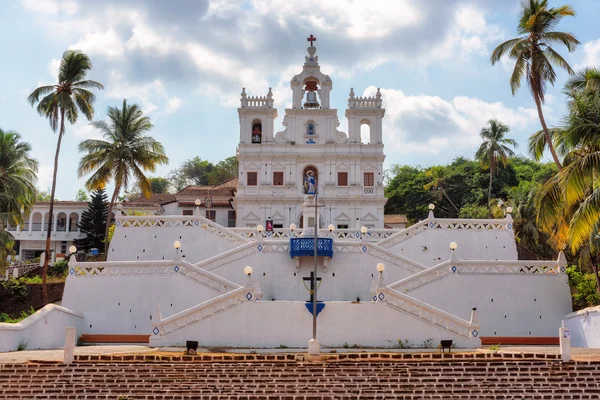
274	167
176	278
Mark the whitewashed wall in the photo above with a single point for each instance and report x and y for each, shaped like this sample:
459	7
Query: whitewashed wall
270	324
508	304
45	329
585	327
431	246
124	304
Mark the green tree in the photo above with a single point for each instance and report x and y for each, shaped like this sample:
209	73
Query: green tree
125	152
494	151
93	222
534	57
437	176
81	195
159	185
223	171
405	193
17	189
66	99
587	79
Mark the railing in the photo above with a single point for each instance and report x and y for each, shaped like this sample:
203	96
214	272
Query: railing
191	221
429	314
230	255
21	270
465	267
199	312
256	101
364	102
400	236
306	247
109	268
397	259
36	226
373	235
369	190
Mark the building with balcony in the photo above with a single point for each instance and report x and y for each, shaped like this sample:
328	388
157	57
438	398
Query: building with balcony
275	167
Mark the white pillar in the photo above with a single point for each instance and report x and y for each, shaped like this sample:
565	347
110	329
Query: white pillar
564	335
70	341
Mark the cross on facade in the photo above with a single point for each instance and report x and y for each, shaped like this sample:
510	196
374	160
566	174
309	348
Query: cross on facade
313	281
311	39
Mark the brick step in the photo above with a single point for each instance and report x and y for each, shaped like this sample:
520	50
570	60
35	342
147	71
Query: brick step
429	379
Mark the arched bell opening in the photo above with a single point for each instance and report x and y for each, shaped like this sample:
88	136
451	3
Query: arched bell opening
256	131
365	132
311	87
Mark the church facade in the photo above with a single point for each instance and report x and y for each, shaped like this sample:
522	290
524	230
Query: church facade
277	170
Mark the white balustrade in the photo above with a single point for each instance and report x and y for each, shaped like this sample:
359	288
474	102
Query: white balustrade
369	190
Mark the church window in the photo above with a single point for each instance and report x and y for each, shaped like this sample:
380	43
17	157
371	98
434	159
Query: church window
252	178
369	179
278	178
342	179
211	214
256	131
231	219
188	212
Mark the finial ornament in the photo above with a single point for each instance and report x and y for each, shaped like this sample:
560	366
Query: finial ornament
378	95
352	93
270	94
243	92
311	39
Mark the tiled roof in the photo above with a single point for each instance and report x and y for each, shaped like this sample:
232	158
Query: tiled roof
156	199
394	219
65	203
225	189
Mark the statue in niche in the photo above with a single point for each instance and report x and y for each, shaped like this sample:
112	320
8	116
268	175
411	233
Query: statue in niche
257	133
310	128
310	183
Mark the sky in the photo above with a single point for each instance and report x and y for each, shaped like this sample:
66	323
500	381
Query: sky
185	63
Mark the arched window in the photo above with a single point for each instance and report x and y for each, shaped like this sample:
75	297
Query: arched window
73	221
36	222
365	131
61	222
256	131
310	179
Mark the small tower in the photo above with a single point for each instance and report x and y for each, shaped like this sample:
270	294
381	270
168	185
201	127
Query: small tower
257	117
312	82
365	111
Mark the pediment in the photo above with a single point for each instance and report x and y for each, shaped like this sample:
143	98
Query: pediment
251	217
278	216
342	217
343	167
369	217
252	166
278	166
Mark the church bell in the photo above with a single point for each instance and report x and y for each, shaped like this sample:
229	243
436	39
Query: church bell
311	100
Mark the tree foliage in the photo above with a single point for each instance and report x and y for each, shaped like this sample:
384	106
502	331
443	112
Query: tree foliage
198	172
93	222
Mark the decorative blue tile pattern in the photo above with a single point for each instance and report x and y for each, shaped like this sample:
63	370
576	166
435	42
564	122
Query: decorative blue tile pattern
196	222
260	247
454	268
562	269
364	249
475	333
381	296
300	247
357	234
176	269
249	296
509	226
155	330
71	271
118	223
431	224
310	141
269	233
374	298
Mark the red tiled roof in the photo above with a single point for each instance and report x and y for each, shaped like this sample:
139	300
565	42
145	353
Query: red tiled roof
157	199
395	219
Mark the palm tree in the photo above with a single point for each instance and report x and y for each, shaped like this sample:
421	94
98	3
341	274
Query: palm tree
534	55
588	79
125	153
438	181
17	185
494	150
67	99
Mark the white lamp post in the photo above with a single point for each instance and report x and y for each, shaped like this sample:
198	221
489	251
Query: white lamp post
509	210
453	246
432	206
248	270
380	267
73	249
260	228
331	228
197	202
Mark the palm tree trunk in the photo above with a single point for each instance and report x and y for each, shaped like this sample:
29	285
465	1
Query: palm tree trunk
538	104
110	208
490	195
448	198
51	211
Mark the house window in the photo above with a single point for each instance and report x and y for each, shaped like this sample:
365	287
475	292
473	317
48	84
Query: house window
211	214
278	178
252	178
231	219
188	212
63	247
342	226
369	179
342	179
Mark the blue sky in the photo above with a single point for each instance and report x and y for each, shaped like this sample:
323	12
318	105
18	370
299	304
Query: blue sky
186	61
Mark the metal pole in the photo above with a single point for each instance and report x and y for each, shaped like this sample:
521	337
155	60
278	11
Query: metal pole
315	269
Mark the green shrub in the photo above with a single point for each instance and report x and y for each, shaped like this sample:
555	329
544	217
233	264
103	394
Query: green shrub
22	346
583	288
16	288
4	317
59	268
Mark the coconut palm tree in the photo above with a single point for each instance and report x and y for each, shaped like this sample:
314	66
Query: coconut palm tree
438	181
534	57
588	79
69	97
494	150
17	185
124	154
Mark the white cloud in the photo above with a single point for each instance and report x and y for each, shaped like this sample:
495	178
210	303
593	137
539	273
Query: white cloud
173	104
83	131
591	54
53	67
431	125
44	176
105	43
51	7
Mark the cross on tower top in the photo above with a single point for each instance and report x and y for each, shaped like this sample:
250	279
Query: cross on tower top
311	39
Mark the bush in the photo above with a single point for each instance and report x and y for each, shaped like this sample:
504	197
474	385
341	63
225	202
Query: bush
16	287
4	317
583	288
59	268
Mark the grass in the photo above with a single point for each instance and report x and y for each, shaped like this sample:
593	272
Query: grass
4	317
494	347
22	346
